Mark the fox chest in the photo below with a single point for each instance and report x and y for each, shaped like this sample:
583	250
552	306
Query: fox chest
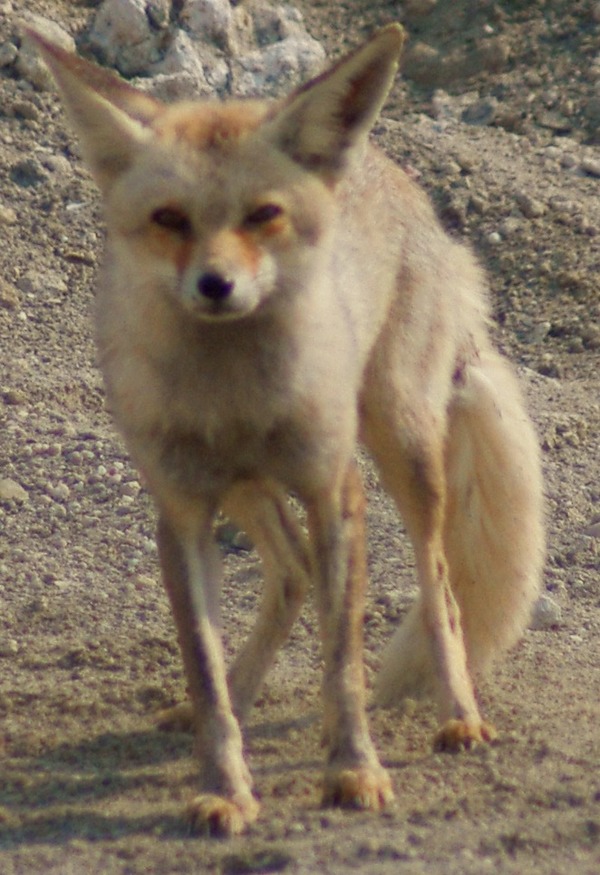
204	440
219	413
285	452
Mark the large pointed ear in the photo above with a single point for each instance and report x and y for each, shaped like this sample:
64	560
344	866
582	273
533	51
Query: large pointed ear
110	117
321	121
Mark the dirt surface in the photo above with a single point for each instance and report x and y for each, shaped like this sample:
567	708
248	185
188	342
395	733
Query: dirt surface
87	645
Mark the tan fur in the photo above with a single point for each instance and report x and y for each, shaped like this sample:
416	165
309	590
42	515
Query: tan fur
275	290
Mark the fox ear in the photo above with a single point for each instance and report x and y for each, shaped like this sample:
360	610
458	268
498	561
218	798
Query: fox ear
321	121
110	117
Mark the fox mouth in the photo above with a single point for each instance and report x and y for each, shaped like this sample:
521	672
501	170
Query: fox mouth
218	311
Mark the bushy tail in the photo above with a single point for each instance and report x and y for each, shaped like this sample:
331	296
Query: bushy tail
494	536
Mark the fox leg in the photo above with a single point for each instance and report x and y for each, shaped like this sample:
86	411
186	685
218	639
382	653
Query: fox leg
264	513
413	472
354	776
190	566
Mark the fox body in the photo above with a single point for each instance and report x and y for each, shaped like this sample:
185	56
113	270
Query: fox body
275	291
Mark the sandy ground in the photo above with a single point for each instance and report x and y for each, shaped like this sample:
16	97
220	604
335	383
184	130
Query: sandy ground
87	647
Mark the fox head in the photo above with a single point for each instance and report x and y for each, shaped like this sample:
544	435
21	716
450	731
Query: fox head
222	204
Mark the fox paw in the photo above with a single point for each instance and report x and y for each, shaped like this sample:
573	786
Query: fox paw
213	815
179	718
365	788
457	735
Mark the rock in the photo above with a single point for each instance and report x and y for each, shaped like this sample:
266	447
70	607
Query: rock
9	297
424	64
10	490
530	206
28	173
37	283
25	109
14	397
591	166
209	20
8	54
418	8
272	24
274	70
427	66
482	112
510	226
29	63
195	62
206	47
122	36
547	614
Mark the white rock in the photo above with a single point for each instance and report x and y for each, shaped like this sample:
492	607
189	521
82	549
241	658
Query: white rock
200	63
546	614
209	20
274	70
122	35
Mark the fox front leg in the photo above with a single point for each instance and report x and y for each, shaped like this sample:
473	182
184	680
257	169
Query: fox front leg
191	572
354	777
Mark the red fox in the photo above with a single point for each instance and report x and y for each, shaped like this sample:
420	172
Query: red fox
275	291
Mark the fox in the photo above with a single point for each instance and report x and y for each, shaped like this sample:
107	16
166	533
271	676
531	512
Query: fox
277	292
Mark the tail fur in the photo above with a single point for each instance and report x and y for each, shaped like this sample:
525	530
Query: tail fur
494	536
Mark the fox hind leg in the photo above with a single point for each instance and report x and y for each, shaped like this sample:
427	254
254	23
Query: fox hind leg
412	469
493	534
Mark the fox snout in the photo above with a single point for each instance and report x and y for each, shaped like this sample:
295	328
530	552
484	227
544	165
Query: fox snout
214	287
228	290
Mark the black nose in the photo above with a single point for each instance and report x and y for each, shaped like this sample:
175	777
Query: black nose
214	286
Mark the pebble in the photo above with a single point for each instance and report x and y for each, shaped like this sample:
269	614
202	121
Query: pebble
10	490
28	173
482	112
530	206
591	166
568	161
14	397
59	492
9	647
9	297
511	225
8	54
8	216
547	614
37	283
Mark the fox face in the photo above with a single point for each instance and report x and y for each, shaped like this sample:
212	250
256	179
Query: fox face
223	206
218	216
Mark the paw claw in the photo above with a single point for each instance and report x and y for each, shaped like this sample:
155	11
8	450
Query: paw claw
213	815
364	789
457	735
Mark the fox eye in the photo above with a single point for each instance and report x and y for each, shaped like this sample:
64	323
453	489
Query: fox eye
172	219
263	214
